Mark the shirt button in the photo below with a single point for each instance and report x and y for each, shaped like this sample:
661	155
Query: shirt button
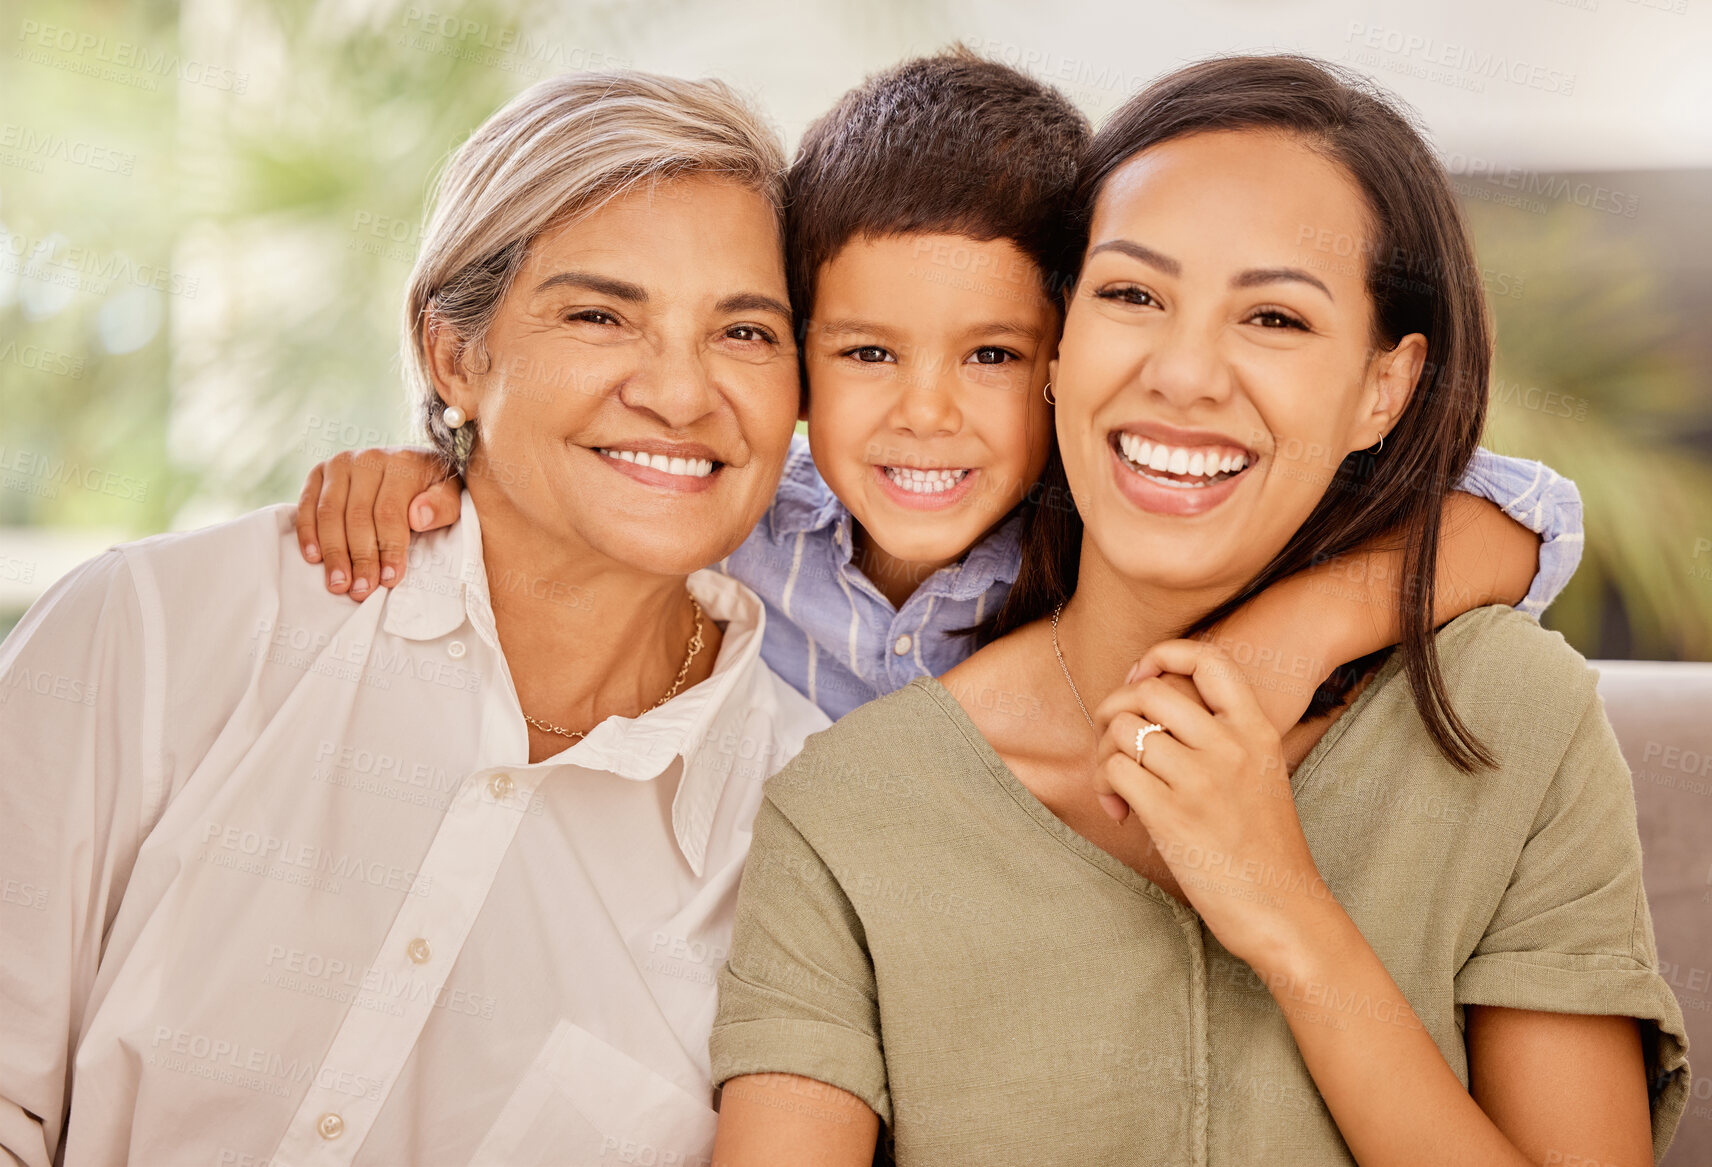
418	950
901	645
330	1126
500	786
455	650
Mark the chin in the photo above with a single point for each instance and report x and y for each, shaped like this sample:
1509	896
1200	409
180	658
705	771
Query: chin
1180	564
673	549
939	547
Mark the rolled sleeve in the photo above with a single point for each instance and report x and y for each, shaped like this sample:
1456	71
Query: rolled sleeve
1572	933
1546	503
798	995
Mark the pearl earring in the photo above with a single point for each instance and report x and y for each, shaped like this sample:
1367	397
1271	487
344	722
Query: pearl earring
453	417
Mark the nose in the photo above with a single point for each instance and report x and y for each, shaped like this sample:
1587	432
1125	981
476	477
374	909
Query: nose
673	384
1184	367
926	405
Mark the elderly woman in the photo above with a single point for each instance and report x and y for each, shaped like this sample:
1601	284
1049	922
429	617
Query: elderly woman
446	876
1139	925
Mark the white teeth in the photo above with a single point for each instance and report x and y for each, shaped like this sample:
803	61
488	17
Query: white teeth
1202	463
682	467
924	481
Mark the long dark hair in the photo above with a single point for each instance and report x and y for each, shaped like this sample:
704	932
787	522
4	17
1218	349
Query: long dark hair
1422	277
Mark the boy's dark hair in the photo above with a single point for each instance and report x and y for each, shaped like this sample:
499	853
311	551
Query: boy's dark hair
950	144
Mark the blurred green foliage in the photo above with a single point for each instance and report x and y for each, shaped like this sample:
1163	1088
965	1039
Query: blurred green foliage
210	209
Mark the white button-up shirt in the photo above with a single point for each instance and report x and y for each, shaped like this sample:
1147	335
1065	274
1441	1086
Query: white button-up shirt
281	886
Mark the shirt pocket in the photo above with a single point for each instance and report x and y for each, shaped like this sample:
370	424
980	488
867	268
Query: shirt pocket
586	1103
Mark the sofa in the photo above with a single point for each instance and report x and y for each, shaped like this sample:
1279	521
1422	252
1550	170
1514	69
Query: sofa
1662	713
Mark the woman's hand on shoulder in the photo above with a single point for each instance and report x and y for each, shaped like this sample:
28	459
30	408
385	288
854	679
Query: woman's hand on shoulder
359	507
1213	791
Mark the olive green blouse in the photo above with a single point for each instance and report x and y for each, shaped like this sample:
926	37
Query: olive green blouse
916	928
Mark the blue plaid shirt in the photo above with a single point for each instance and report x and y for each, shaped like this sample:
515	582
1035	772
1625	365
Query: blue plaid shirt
839	642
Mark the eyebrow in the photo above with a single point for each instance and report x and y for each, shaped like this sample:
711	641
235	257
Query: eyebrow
1254	277
850	324
875	328
605	285
1136	251
752	302
1003	328
636	294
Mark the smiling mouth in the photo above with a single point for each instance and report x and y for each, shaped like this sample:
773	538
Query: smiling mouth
682	467
924	481
1179	467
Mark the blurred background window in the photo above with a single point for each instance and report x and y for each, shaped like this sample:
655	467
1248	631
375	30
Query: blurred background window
208	209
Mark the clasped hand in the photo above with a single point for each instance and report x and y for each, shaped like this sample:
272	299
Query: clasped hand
1214	793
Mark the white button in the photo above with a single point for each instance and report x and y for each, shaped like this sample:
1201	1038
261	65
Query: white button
500	786
330	1126
901	645
418	950
455	650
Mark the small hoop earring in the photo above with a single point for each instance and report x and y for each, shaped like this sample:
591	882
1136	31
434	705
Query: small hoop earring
1380	448
1046	392
453	417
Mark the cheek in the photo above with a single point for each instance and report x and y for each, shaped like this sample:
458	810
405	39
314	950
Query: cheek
845	424
1027	434
765	402
1307	429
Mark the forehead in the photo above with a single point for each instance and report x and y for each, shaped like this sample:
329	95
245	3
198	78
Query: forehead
1246	188
690	225
902	276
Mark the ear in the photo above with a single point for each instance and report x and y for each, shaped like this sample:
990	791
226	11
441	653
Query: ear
452	378
1052	371
1391	377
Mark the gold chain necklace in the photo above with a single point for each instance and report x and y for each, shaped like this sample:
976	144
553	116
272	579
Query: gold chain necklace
1074	692
683	672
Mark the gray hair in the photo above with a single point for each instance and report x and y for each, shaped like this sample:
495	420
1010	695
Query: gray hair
559	150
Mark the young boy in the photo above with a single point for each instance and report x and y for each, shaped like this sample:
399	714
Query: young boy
925	244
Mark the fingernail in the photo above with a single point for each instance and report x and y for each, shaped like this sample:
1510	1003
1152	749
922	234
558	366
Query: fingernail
337	579
420	516
1134	671
387	574
361	586
312	553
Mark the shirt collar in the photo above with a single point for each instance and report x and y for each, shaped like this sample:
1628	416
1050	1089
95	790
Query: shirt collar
993	561
803	501
446	583
697	725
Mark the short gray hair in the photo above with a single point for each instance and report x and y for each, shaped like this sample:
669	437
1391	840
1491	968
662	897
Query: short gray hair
558	150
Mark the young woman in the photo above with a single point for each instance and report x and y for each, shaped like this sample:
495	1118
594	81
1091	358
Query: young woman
1132	923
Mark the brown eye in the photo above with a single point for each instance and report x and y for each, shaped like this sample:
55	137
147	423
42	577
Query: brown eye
592	316
989	355
751	332
1128	294
870	354
1277	318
